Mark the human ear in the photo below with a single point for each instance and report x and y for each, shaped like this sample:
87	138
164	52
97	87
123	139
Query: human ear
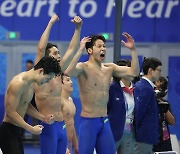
89	50
41	70
150	70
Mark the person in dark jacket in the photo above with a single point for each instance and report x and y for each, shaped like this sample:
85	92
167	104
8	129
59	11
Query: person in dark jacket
146	109
121	112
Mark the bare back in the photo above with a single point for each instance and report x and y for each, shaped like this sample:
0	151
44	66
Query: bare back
19	94
48	98
94	89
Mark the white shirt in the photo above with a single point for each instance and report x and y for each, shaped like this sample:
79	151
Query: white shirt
129	104
150	82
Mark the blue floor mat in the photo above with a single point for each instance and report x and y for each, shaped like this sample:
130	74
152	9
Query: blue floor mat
31	149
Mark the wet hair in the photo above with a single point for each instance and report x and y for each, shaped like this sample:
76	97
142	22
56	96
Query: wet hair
48	47
49	65
94	38
62	77
122	62
152	63
29	61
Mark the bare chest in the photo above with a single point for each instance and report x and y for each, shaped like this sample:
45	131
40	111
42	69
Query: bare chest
53	87
26	96
69	109
98	78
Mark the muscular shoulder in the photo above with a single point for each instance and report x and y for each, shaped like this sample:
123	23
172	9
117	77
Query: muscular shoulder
82	64
17	83
112	65
109	66
14	90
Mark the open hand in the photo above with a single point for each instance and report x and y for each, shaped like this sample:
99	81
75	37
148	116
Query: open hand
83	42
130	41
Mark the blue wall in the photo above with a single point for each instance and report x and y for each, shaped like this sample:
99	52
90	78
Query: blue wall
174	92
3	62
25	57
147	20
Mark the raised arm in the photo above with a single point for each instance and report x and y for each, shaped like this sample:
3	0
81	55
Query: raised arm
44	38
134	69
74	69
12	100
73	44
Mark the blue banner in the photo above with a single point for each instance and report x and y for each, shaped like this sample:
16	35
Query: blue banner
146	20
